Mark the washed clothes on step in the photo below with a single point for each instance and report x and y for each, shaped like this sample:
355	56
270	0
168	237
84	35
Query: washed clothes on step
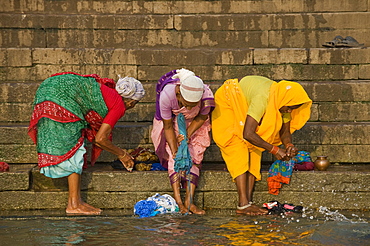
156	204
281	171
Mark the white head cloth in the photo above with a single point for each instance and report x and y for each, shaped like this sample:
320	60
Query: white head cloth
191	86
129	87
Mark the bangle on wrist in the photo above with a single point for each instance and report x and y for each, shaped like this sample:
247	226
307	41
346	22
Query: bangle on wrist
121	156
289	145
274	150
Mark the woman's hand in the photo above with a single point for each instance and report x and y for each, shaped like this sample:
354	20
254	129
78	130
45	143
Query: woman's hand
291	150
180	137
127	161
282	155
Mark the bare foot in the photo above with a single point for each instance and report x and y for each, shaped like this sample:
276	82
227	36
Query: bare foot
195	210
252	210
90	207
82	209
182	208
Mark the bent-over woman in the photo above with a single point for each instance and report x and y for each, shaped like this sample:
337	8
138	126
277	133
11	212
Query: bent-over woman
254	114
69	108
180	91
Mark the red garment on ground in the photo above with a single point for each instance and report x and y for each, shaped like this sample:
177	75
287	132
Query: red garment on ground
4	167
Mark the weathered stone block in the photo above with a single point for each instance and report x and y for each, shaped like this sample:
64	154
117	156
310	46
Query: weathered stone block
58	56
344	111
14	134
339	56
126	132
338	91
310	38
22	38
44	71
297	72
218	22
19	57
138	181
15	112
339	153
364	72
354	200
138	22
88	38
118	56
17	92
42	183
33	200
280	56
18	74
334	133
22	6
17	178
318	21
18	153
141	112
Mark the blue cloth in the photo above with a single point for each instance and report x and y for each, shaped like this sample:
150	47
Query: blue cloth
183	161
145	208
157	167
156	204
66	168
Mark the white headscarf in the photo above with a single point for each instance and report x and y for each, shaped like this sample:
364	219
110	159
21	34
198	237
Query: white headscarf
129	87
191	86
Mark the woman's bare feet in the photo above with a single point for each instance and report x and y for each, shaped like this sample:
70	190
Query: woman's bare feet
182	208
252	210
82	209
195	210
91	207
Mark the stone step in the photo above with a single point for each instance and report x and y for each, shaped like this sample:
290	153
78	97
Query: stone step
83	30
133	39
343	186
346	142
181	7
211	64
27	57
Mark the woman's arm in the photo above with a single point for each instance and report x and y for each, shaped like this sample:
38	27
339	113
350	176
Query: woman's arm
251	136
169	133
286	139
197	122
102	141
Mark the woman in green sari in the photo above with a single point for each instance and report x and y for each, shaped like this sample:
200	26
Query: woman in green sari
70	108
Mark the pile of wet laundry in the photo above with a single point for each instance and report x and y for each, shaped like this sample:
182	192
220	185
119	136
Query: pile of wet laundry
275	207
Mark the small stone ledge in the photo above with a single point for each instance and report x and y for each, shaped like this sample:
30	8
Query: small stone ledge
18	178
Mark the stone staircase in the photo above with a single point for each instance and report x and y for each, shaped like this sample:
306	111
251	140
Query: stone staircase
218	40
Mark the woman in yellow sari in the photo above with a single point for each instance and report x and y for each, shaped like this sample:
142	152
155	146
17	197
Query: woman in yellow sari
254	114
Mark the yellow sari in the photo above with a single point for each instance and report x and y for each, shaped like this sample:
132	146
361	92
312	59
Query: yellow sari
230	113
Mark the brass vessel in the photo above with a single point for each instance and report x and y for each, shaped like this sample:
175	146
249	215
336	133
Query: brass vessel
322	163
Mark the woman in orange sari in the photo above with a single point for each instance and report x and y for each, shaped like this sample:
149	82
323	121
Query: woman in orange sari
254	114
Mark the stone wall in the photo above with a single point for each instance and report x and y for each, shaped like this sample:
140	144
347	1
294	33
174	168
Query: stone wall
218	40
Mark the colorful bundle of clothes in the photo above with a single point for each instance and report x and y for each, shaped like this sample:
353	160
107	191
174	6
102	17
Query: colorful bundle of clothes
281	171
156	204
275	207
